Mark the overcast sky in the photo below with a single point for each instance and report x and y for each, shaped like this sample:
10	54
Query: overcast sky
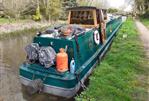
116	3
121	4
125	5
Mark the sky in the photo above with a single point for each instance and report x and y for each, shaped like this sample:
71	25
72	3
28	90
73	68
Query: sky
120	4
116	3
124	5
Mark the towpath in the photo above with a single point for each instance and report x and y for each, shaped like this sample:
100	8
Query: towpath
144	35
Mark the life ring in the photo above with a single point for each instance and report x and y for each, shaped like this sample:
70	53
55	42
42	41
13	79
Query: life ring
96	37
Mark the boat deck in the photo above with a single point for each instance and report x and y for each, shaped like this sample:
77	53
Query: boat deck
48	72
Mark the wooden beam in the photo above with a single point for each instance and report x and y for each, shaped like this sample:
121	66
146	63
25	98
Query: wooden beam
69	15
95	18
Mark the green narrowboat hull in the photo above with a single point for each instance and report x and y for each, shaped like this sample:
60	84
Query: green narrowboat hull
67	84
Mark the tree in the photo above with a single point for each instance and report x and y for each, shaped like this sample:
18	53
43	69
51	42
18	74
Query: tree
88	2
142	7
65	5
29	9
112	10
13	8
51	9
1	10
37	16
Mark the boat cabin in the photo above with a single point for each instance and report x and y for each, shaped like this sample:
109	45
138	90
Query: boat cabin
87	16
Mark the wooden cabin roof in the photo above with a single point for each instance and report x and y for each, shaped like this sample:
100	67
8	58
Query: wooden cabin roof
85	8
82	8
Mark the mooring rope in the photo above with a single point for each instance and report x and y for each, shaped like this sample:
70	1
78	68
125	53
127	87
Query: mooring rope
81	83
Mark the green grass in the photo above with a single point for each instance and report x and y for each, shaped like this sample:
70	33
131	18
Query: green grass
145	21
122	74
6	21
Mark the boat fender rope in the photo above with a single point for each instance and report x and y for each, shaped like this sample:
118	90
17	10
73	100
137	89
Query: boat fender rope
81	83
35	86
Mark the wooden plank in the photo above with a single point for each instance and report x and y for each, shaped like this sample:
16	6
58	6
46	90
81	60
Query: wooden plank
95	18
69	15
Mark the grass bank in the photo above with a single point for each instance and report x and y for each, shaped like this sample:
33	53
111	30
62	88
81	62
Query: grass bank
11	20
145	21
122	74
18	33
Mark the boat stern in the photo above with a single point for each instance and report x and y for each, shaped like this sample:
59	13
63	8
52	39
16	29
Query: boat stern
60	84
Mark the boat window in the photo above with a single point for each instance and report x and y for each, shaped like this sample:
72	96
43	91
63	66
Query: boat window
98	16
82	17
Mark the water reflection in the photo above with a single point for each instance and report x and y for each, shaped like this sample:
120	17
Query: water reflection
12	54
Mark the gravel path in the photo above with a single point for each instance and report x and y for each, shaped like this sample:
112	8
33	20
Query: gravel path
6	28
144	35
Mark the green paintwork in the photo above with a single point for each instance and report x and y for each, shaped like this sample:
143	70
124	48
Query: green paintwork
85	58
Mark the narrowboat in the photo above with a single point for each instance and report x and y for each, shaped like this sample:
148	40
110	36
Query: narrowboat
60	59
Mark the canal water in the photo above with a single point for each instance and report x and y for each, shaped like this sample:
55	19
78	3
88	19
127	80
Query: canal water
12	54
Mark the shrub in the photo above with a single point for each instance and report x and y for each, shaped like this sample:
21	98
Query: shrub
38	16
